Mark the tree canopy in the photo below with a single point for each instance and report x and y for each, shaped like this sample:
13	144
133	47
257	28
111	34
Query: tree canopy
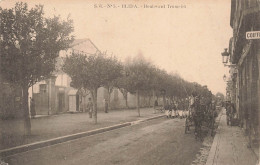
29	45
91	72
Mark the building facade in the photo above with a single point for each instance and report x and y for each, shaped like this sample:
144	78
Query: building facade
55	95
245	54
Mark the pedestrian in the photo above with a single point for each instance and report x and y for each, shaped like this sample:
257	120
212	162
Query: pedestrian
90	107
155	106
228	112
232	113
168	109
155	103
173	107
32	108
106	105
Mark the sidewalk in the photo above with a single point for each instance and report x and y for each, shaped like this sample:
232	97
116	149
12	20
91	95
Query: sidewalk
230	146
49	127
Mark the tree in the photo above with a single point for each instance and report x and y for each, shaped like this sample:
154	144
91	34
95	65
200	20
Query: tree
155	83
139	78
114	71
91	72
166	85
123	84
29	45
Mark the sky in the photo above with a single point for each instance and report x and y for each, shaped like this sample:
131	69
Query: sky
187	41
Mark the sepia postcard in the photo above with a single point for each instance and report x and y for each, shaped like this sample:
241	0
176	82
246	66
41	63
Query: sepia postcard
129	82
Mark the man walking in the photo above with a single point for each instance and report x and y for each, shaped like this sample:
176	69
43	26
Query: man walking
230	112
90	107
155	105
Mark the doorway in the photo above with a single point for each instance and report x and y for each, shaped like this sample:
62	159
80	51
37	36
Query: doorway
61	98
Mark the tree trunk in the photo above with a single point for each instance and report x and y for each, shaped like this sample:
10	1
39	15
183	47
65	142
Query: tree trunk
126	103
109	96
137	103
149	102
124	92
25	106
144	102
94	96
164	101
109	91
153	99
140	100
154	108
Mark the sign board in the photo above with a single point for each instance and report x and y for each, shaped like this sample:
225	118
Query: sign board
253	35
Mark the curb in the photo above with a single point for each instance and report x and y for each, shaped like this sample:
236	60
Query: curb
151	118
213	149
41	144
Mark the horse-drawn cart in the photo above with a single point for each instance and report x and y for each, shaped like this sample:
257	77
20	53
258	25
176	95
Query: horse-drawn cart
200	116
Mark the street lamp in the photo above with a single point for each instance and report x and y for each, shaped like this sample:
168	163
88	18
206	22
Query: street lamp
225	58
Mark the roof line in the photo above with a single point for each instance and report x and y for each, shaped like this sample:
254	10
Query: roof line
94	45
84	40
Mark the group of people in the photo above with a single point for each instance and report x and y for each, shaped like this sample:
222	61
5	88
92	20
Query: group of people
176	109
185	107
172	108
202	106
230	112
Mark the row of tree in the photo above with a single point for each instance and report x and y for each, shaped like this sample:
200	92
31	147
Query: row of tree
30	43
136	76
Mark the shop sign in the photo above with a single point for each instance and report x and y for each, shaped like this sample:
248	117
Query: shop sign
253	35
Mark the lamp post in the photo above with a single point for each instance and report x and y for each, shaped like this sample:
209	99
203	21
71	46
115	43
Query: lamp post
225	56
226	59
